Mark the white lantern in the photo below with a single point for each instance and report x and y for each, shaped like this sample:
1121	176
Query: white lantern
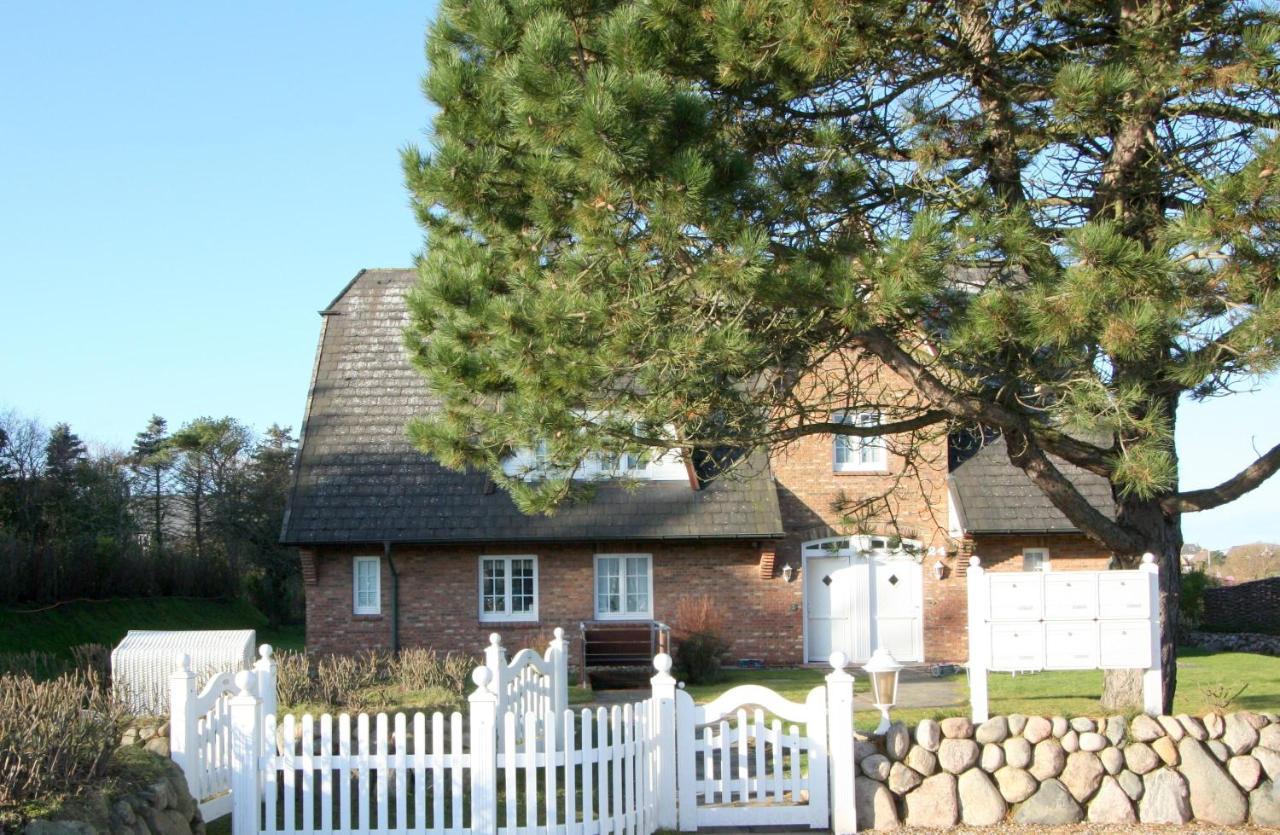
883	670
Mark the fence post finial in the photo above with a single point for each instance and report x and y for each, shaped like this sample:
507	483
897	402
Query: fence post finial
558	655
482	714
265	669
663	707
182	718
246	746
840	746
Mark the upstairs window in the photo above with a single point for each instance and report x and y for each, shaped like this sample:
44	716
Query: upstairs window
366	585
508	588
853	454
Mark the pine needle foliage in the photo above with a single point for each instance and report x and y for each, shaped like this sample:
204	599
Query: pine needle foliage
646	220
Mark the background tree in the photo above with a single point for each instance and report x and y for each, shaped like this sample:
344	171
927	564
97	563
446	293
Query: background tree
649	220
151	461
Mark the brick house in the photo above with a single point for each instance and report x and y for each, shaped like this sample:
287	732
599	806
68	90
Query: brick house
396	550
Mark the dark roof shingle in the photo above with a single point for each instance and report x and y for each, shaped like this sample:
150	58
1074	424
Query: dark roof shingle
994	496
358	480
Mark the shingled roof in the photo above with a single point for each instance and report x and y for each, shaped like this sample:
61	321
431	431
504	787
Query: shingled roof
358	480
994	496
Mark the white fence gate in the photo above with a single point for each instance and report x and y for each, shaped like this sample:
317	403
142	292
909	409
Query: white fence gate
749	758
200	728
530	684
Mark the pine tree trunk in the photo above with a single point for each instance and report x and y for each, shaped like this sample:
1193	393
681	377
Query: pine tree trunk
1122	689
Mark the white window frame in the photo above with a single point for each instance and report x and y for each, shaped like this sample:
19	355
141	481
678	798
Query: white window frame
507	616
376	608
858	444
595	588
1042	553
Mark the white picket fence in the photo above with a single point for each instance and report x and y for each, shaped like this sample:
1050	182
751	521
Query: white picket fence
200	728
530	684
751	757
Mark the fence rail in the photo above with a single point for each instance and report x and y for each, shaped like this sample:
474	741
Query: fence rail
531	684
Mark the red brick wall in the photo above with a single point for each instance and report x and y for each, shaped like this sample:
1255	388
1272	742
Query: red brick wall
439	597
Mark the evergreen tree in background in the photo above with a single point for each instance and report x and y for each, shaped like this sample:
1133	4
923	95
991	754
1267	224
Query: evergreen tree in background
647	219
151	460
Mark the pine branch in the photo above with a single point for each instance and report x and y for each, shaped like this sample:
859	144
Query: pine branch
1233	488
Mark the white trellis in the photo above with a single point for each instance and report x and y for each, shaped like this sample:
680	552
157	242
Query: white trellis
200	728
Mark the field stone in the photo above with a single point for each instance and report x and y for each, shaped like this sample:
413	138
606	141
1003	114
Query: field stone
1167	751
1092	742
1139	758
1255	720
1219	750
1269	760
1214	725
956	727
1193	726
956	755
992	757
1060	726
1051	805
1145	729
1111	804
1016	723
1215	798
1172	727
981	803
1048	759
1164	798
995	729
863	748
928	734
876	767
1112	760
1245	771
935	803
1071	742
1037	729
1082	724
1239	736
896	741
1269	737
1116	730
922	760
1016	784
1131	783
873	805
903	779
1083	775
1017	752
123	812
1264	805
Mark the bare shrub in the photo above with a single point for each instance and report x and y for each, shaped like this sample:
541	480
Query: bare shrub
55	736
700	648
293	678
1222	695
457	673
95	659
696	614
41	666
418	668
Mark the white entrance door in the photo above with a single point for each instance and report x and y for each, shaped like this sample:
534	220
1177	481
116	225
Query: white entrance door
857	601
896	608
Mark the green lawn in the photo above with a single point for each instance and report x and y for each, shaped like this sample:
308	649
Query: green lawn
58	629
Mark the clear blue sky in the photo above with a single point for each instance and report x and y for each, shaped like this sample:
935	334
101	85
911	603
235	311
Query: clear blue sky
183	186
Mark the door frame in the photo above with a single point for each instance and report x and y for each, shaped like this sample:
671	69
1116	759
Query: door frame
875	549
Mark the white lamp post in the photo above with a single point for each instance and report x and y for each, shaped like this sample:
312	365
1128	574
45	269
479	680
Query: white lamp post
883	670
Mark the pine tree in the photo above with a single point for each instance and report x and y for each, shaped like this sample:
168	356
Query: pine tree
647	219
151	460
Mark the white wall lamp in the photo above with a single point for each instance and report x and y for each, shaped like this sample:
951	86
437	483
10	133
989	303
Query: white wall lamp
939	570
787	573
882	668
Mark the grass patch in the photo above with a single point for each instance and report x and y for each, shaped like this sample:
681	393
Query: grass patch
58	629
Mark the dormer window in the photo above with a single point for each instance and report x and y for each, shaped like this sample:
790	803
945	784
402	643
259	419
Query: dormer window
854	454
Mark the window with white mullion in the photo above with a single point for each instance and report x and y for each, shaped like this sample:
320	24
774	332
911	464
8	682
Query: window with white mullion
854	453
624	586
366	585
508	588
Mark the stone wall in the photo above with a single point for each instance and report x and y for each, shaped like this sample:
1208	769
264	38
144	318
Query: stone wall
1218	770
160	805
1248	607
1236	642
